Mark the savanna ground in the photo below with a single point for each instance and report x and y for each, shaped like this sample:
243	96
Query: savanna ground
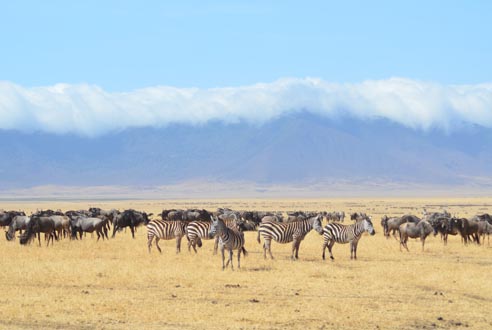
117	284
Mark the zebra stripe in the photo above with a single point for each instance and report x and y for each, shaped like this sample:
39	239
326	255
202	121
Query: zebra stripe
229	239
286	233
338	233
162	229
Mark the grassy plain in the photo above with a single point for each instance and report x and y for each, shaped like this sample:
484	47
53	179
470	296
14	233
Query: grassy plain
117	284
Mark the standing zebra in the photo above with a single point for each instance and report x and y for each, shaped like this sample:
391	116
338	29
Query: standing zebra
287	232
335	232
229	239
161	229
198	230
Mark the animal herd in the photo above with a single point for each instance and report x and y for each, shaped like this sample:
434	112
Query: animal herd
226	227
471	230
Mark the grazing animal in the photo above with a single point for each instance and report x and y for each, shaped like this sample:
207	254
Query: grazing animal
165	229
484	228
392	225
20	223
62	225
467	229
413	230
198	230
39	225
358	216
335	216
229	239
88	225
130	218
343	234
6	217
287	232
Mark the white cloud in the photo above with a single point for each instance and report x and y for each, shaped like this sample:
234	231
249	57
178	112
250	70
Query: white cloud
91	111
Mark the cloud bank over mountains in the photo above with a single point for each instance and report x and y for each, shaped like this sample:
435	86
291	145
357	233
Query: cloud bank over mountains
88	110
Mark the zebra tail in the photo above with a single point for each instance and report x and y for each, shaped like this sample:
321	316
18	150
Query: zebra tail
258	237
245	253
199	242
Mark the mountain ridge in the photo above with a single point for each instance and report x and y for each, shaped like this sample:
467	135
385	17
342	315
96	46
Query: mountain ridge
293	149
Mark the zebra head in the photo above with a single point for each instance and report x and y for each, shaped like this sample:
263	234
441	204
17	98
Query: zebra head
213	228
317	225
368	226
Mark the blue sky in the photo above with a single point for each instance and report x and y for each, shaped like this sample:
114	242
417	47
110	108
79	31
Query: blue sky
126	45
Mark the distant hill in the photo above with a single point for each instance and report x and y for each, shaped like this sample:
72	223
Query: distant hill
298	149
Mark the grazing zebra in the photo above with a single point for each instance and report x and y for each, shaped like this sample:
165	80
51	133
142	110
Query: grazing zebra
287	232
198	230
162	229
229	239
338	233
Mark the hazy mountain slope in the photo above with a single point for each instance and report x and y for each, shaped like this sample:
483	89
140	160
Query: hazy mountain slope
301	148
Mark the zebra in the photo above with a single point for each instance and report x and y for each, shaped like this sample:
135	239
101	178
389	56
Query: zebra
338	233
198	230
287	232
162	229
229	239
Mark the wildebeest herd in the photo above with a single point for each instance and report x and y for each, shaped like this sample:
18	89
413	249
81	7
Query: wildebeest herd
227	227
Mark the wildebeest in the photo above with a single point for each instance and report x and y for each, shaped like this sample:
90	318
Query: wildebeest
421	229
467	229
484	228
335	216
443	226
7	216
392	225
88	225
130	218
18	223
62	225
39	225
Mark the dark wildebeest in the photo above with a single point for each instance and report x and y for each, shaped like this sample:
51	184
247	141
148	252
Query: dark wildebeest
20	223
39	225
421	229
88	225
196	215
130	218
443	226
467	229
7	216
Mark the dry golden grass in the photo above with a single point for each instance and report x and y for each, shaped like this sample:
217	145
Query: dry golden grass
117	284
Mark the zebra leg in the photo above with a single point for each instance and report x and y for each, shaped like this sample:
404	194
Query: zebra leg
178	244
325	244
330	245
223	257
157	244
216	244
149	242
239	258
194	246
355	249
190	242
230	259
